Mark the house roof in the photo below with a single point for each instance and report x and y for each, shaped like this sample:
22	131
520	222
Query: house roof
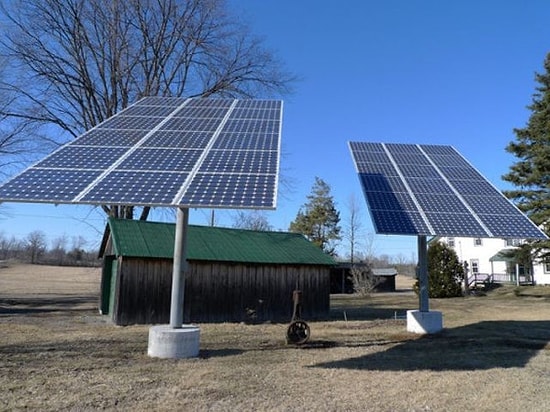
134	238
504	255
384	271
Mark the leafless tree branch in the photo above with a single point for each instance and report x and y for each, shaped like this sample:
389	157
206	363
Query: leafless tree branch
78	62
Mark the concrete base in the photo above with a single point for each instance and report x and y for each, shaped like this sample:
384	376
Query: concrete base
167	342
424	322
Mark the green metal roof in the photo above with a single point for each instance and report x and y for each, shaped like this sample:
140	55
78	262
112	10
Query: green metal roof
153	239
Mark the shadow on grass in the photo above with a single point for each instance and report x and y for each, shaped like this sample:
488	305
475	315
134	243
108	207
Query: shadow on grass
219	353
41	304
480	346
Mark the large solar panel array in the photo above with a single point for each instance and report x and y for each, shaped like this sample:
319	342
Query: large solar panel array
433	190
165	152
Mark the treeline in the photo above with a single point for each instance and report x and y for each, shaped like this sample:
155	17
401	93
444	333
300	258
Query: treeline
35	249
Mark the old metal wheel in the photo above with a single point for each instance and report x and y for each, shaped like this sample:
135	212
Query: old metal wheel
297	332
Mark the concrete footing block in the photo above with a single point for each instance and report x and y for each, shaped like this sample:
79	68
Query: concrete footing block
424	322
175	343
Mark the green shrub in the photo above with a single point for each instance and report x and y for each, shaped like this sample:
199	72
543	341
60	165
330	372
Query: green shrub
445	273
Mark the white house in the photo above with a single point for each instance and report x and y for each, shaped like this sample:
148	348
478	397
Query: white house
494	257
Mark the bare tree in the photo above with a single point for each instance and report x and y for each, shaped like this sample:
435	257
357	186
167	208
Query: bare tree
253	220
353	225
81	61
14	145
363	280
59	249
36	245
10	248
404	265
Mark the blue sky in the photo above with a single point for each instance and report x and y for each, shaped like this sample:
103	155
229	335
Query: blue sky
454	73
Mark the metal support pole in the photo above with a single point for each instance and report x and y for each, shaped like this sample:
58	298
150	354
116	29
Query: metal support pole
179	269
423	274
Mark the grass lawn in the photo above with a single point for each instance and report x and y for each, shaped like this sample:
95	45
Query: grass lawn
57	353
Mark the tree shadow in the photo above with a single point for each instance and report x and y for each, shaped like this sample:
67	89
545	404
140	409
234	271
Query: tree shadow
219	353
480	346
47	304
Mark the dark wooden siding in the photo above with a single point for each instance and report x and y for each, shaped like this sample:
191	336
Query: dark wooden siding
219	292
143	292
385	284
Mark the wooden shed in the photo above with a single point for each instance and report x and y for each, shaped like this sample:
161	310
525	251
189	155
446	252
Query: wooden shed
341	279
234	275
385	279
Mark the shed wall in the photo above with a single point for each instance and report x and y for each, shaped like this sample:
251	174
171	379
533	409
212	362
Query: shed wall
219	292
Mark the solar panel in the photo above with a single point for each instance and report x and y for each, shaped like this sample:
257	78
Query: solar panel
165	151
433	190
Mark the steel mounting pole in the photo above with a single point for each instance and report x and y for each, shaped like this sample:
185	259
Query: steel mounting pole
179	269
423	294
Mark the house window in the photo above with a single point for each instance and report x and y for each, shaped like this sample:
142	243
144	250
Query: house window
474	266
547	266
451	241
513	242
477	241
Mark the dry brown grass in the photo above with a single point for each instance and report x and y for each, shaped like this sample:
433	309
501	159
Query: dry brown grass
56	353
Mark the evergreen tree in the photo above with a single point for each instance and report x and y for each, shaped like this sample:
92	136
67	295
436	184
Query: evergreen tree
445	273
318	219
531	172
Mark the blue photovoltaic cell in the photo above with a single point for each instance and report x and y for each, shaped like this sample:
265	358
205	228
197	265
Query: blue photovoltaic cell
161	101
47	185
435	186
165	152
212	103
202	112
380	183
433	190
82	157
149	111
375	157
510	226
191	125
249	141
461	173
427	172
109	137
390	201
227	161
359	149
434	150
474	187
136	188
398	222
443	161
243	191
178	139
251	126
258	114
383	169
434	202
160	159
410	159
131	123
490	205
450	223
